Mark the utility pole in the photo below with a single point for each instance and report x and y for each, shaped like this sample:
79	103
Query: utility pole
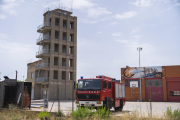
16	74
140	96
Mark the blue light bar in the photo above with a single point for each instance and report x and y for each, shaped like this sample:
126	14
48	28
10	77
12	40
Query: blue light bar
100	76
81	77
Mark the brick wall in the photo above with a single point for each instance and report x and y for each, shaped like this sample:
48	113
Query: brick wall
167	71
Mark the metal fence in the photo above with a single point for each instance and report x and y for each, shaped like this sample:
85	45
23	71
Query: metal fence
43	51
42	65
45	37
42	79
43	25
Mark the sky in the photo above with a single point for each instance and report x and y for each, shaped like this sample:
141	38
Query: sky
108	34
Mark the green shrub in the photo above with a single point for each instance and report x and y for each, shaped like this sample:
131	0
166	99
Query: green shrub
60	114
42	114
173	114
102	113
82	112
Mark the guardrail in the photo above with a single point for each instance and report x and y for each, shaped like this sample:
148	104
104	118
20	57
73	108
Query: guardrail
42	65
43	25
39	103
43	51
45	37
42	79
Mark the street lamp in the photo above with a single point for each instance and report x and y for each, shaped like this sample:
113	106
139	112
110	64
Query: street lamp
139	49
23	78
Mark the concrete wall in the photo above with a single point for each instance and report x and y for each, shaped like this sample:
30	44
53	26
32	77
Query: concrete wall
65	86
1	94
20	88
37	91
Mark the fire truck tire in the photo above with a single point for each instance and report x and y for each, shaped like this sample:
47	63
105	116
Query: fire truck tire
109	105
121	105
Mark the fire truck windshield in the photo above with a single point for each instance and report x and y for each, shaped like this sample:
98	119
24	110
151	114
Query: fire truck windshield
90	84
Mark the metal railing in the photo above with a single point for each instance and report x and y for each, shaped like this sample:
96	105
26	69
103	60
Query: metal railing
59	7
45	37
42	79
43	25
42	65
43	51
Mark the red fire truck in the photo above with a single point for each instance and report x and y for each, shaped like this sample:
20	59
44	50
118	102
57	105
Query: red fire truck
101	91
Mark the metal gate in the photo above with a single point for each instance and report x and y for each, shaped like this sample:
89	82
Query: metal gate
154	90
173	89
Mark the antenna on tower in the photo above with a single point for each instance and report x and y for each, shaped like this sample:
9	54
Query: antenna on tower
71	5
59	3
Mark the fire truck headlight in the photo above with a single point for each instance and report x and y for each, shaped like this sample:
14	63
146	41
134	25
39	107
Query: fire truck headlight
98	102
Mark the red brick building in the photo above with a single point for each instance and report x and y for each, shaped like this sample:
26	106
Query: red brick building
158	83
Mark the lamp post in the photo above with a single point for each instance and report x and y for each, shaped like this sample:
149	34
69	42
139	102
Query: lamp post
139	49
23	78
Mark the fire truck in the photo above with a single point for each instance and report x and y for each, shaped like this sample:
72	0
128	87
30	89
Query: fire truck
101	91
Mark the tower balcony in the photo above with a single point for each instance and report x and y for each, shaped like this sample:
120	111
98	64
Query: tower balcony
44	39
43	53
42	66
45	27
42	79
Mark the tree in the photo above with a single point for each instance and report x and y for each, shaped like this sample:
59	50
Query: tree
19	81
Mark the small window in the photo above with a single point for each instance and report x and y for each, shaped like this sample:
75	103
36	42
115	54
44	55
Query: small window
55	74
31	75
174	93
71	25
104	84
109	85
57	21
65	23
56	47
47	86
126	82
43	86
63	75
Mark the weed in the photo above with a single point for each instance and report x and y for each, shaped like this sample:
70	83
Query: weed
82	112
173	114
42	114
60	114
102	113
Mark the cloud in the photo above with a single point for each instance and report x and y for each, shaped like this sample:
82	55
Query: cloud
122	41
177	4
135	31
125	15
8	6
77	4
93	21
96	12
2	16
141	3
137	37
116	34
99	32
14	49
113	23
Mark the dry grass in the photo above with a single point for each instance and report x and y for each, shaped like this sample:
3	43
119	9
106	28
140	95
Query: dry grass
15	114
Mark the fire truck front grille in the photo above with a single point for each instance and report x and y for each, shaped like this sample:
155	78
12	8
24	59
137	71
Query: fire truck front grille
88	96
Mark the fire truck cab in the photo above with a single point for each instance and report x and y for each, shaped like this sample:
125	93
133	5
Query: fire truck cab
101	91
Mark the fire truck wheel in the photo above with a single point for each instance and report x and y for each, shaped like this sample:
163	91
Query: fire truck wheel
121	105
107	104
